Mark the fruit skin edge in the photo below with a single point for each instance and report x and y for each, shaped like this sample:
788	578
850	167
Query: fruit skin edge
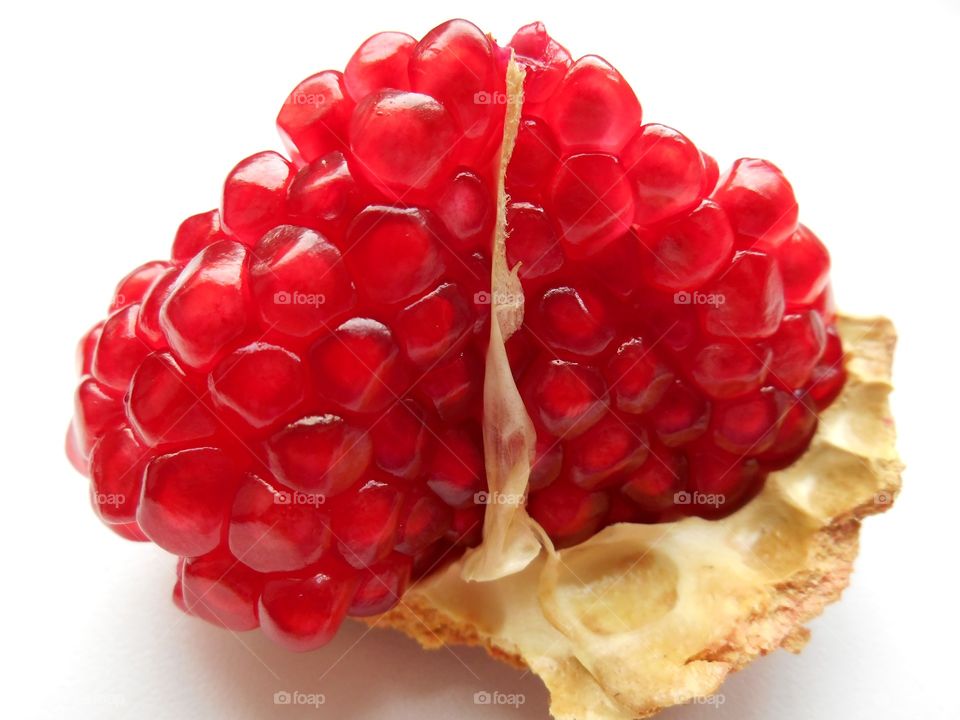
855	437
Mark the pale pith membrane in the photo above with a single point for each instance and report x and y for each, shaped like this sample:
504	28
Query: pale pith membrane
641	617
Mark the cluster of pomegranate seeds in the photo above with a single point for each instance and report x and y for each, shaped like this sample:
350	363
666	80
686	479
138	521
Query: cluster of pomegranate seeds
678	339
292	403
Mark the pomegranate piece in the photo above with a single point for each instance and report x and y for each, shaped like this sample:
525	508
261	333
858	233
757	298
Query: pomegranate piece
636	377
759	201
132	288
434	325
119	351
667	172
304	613
568	513
381	587
730	369
365	524
567	397
116	474
315	116
255	196
608	448
575	320
380	62
324	194
400	440
805	267
221	590
532	242
194	234
543	59
746	300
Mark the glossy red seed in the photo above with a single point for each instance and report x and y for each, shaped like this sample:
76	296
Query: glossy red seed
186	499
321	455
324	195
746	299
275	530
304	613
365	524
221	590
380	62
132	288
568	513
397	252
315	116
466	529
194	234
466	211
567	397
128	531
456	472
116	474
423	520
381	587
261	383
798	422
435	325
208	306
620	265
654	485
575	320
607	449
746	426
592	201
357	366
148	319
687	252
86	348
667	173
299	281
543	59
400	438
719	483
401	141
165	406
829	375
96	410
636	377
681	416
759	201
535	157
796	348
594	108
731	369
453	386
532	241
119	350
255	196
804	265
711	173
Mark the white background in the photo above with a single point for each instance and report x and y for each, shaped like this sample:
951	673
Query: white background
117	122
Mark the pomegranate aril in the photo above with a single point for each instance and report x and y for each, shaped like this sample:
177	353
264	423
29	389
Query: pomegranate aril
321	455
829	375
116	474
132	288
148	319
748	298
424	519
453	386
456	473
592	201
719	483
535	157
396	251
299	281
547	462
255	196
666	170
261	383
274	530
186	500
466	528
357	366
164	406
194	234
593	109
304	613
466	211
746	426
315	116
731	369
568	513
620	264
221	590
543	59
567	397
681	416
759	202
400	440
575	320
401	141
208	306
324	195
365	523
796	348
804	265
380	62
685	253
711	173
636	377
607	449
96	410
435	325
653	487
119	350
798	422
532	241
381	587
86	347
